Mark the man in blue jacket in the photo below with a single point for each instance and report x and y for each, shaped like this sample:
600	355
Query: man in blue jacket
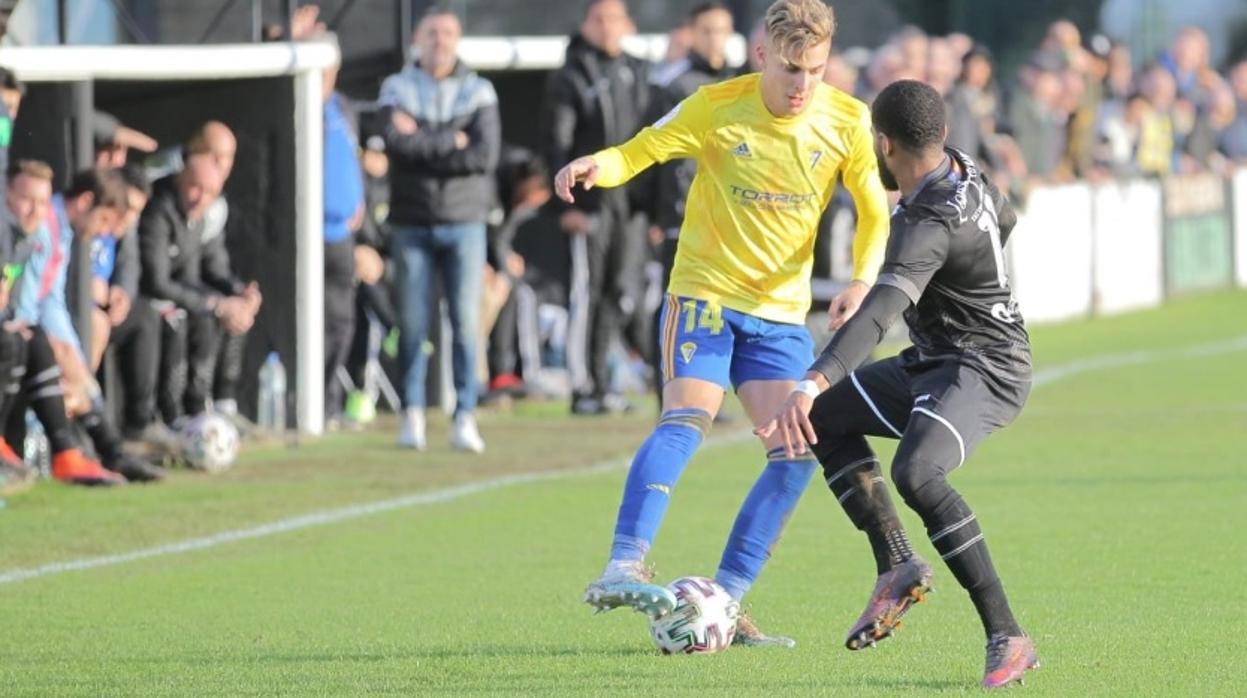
344	260
443	137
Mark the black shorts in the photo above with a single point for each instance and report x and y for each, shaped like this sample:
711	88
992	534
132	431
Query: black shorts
966	397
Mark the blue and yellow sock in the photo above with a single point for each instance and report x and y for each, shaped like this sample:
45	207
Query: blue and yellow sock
762	518
655	469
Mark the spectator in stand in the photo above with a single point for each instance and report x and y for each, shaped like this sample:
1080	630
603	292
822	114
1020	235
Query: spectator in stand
1188	64
757	38
711	24
960	44
1062	37
190	280
972	105
443	153
1119	83
675	61
974	119
943	65
1120	131
1203	145
885	67
580	119
1035	115
1234	137
668	184
1083	98
114	140
1188	61
1155	154
841	74
913	45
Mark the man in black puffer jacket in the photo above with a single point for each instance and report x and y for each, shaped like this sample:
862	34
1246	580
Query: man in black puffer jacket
599	97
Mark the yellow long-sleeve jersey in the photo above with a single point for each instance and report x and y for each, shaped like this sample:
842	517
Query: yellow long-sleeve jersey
762	184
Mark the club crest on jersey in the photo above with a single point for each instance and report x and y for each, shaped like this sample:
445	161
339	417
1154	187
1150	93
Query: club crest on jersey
687	350
743	151
1006	313
815	157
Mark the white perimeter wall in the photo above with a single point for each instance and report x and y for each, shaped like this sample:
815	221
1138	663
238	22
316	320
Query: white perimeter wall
1127	246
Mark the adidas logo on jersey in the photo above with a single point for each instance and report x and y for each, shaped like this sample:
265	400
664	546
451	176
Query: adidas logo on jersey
742	151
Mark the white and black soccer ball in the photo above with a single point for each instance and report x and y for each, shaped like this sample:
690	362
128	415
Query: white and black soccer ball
210	443
703	621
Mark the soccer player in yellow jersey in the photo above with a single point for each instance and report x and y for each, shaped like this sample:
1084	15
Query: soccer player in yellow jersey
769	148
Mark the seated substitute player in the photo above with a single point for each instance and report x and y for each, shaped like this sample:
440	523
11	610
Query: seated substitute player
966	375
769	149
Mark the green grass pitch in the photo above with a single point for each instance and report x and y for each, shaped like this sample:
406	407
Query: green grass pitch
1114	508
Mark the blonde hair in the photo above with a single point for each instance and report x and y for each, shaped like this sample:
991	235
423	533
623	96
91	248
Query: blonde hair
795	26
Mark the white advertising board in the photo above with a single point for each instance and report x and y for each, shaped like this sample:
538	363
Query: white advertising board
1050	254
1127	246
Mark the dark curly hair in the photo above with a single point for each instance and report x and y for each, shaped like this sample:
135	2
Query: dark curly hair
911	114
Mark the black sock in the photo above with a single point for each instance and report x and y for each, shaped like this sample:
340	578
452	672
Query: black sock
45	395
48	402
12	373
955	533
994	611
100	429
862	492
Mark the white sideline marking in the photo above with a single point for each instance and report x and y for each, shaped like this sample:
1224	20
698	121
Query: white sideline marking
1096	363
357	511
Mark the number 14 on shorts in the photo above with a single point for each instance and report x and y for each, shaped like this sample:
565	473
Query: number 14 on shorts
709	316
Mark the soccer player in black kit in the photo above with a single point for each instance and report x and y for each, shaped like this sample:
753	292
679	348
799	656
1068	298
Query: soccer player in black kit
966	375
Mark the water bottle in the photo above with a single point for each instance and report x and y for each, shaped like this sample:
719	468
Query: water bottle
35	450
272	408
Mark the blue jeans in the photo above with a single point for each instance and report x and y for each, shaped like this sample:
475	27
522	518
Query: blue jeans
457	251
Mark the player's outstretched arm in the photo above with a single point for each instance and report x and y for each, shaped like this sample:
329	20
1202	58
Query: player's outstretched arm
676	135
847	350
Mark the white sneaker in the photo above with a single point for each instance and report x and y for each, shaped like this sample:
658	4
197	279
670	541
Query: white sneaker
411	429
464	436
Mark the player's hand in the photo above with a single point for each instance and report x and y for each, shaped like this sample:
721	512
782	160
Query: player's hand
253	297
583	170
403	122
515	266
846	303
19	327
369	267
118	305
356	220
235	316
305	24
461	140
793	424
